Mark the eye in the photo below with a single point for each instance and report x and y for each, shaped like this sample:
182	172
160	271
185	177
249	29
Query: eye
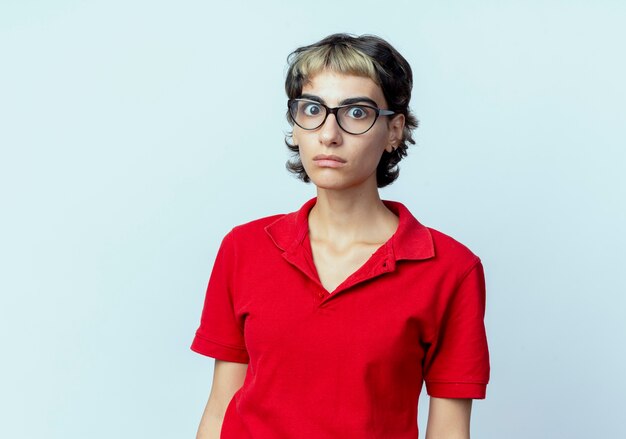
358	112
311	109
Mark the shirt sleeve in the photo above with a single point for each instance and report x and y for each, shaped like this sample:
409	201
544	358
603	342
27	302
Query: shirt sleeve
457	364
220	335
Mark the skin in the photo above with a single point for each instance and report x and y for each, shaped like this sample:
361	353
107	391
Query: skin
346	225
228	377
449	418
349	221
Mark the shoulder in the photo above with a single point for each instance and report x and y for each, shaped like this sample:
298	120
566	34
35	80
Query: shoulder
254	229
449	245
249	240
451	252
415	240
281	230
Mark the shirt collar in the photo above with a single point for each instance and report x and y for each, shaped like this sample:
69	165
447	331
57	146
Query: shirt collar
412	240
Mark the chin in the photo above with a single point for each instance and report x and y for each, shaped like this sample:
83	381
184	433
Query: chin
335	184
330	179
325	183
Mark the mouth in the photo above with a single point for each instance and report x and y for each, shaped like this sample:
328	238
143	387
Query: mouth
329	161
334	158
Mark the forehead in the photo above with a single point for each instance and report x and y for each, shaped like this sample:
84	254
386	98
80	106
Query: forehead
334	87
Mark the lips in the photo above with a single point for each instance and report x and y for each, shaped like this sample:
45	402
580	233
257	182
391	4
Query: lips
329	157
329	161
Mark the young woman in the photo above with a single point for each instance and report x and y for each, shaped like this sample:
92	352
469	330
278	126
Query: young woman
325	322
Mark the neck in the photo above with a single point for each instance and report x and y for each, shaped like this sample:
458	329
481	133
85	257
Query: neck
351	215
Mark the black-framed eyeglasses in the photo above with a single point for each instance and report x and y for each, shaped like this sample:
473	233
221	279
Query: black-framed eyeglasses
352	118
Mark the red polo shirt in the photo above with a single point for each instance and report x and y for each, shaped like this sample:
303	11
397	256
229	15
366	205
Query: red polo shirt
346	364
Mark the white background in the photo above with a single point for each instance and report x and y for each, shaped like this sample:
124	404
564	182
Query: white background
135	134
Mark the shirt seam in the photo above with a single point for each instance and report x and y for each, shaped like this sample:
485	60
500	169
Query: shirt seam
473	265
457	286
226	345
233	278
456	382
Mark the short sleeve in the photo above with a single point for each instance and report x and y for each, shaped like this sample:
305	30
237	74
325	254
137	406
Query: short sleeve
457	364
220	335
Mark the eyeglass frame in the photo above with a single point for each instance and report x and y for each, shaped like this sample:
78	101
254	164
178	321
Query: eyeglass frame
379	112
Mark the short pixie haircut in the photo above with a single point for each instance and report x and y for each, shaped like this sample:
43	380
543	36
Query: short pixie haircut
367	56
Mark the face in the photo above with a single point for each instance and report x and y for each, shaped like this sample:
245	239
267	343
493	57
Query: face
333	158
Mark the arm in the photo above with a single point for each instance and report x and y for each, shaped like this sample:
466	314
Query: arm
449	418
228	377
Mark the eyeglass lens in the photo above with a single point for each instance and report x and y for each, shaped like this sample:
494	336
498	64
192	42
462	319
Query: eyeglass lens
354	119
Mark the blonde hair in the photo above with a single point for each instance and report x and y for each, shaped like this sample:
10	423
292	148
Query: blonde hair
339	59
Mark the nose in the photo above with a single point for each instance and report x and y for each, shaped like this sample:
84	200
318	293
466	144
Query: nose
330	133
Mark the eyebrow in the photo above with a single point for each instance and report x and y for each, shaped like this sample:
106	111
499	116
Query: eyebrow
348	101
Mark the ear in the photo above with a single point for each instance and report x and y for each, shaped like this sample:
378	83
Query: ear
396	128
